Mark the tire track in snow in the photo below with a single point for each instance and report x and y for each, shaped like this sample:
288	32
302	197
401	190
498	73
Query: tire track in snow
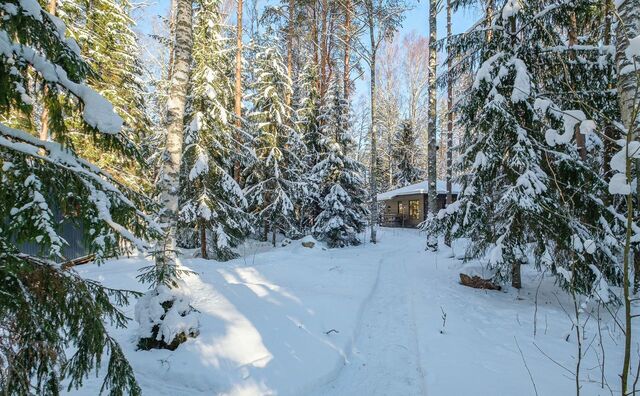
385	358
414	329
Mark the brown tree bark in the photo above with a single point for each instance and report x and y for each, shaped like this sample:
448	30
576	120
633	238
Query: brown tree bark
347	49
203	240
449	110
516	277
609	130
237	103
44	117
290	33
573	40
489	10
324	53
316	40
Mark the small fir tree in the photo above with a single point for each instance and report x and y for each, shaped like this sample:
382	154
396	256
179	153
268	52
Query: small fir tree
342	189
404	155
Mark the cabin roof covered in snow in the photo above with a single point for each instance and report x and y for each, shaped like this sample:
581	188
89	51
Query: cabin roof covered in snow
418	188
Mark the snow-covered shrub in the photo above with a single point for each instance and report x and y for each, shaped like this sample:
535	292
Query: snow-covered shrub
166	319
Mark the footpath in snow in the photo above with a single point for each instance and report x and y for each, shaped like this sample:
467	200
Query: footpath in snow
366	320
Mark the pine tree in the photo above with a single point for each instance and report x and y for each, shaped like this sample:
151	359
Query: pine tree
404	156
274	182
339	177
52	321
213	205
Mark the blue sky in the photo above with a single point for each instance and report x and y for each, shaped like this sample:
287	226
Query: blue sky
416	20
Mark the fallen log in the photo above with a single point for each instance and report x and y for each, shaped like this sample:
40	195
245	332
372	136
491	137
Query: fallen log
78	261
477	282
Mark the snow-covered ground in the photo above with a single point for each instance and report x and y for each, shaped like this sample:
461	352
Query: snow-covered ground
366	320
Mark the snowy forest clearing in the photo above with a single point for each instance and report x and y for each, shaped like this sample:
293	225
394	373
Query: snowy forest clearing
363	320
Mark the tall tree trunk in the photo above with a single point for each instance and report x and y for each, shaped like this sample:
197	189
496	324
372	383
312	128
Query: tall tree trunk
203	240
290	47
609	130
44	118
447	237
170	184
316	42
347	49
489	10
324	53
273	234
432	172
629	101
374	138
237	102
449	108
516	278
172	28
573	40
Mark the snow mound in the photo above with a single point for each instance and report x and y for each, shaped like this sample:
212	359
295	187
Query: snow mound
166	319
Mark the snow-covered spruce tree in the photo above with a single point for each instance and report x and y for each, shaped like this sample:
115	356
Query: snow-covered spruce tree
52	321
342	187
104	32
574	69
404	156
213	206
307	102
524	182
274	181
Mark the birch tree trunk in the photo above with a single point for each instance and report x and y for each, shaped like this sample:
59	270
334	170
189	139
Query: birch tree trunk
237	102
449	172
629	101
432	173
170	183
374	137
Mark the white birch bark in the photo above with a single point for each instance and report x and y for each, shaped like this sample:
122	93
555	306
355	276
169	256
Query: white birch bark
432	172
170	182
374	136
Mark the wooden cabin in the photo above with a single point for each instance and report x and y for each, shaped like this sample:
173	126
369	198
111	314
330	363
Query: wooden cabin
408	206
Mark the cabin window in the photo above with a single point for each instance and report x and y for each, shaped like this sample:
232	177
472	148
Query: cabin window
401	208
414	209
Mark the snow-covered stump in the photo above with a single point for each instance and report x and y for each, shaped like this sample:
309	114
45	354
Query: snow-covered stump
166	319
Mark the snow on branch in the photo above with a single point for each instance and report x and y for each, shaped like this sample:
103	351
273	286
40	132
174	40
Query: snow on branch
97	112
